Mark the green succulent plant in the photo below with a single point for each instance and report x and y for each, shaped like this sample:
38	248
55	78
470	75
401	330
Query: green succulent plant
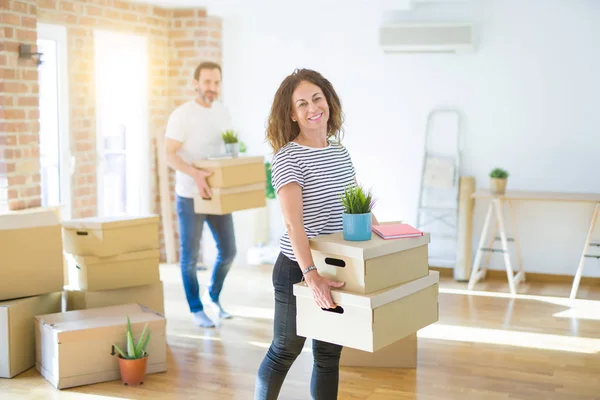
135	350
499	173
357	200
230	136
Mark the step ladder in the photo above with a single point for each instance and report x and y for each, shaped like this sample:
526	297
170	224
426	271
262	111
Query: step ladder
589	242
478	272
439	187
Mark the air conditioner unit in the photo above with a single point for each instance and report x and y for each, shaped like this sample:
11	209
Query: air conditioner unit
427	37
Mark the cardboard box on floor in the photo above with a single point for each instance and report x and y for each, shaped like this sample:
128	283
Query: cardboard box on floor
151	296
116	272
400	354
230	199
234	171
111	236
369	322
31	253
370	265
17	331
75	348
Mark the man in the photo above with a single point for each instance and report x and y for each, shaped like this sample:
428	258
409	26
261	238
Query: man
194	132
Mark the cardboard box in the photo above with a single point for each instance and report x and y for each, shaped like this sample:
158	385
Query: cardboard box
75	348
369	322
17	331
228	200
400	354
150	296
116	272
110	236
234	171
371	265
31	253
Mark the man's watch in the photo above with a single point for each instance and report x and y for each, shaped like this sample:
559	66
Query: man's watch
308	269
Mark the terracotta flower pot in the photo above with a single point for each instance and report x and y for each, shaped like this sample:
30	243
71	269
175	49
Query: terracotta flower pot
498	185
133	372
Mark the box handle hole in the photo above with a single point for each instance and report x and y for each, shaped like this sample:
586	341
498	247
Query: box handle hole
335	262
82	233
207	198
337	310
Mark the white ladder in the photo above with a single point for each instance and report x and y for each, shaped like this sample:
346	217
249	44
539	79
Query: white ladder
584	254
439	189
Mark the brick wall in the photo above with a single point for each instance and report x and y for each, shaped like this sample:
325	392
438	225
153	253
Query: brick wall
19	113
178	41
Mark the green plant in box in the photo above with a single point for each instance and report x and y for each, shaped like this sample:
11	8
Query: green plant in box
499	173
356	219
230	136
134	360
498	178
356	200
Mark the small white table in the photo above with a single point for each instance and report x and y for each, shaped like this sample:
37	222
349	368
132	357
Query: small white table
496	207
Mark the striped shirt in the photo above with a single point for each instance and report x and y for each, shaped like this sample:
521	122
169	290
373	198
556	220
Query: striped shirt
322	173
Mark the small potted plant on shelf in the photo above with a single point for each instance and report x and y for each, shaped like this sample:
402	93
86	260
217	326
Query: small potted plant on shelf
356	219
232	144
498	178
134	361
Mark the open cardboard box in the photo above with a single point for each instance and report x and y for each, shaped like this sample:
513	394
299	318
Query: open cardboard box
370	265
75	348
369	322
110	236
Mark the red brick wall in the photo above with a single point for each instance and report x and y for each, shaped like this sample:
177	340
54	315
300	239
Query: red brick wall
19	113
178	41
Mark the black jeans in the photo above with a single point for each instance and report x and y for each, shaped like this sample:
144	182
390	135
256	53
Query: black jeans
286	345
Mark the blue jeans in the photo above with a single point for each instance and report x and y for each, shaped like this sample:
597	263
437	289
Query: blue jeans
286	345
190	233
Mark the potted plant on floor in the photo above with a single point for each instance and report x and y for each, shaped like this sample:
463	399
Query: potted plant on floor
232	144
133	363
498	178
356	219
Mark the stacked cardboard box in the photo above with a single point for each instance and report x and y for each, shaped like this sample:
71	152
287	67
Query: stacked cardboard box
76	348
389	295
237	183
113	261
31	282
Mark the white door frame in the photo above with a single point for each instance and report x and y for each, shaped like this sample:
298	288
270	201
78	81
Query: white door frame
58	34
141	168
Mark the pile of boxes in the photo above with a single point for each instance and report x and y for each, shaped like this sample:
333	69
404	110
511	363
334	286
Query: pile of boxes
31	282
113	261
115	278
389	295
237	183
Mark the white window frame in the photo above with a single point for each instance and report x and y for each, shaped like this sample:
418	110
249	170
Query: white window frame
58	33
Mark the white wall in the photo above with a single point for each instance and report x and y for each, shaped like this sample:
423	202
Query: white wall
529	96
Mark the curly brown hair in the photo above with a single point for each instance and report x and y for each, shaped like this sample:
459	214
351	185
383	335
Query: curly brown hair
281	129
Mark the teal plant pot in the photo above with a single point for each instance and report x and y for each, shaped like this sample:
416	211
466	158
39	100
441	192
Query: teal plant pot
357	227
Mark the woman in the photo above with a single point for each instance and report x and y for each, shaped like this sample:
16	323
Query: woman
309	172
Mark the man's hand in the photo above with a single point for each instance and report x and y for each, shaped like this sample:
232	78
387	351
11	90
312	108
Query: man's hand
200	177
321	288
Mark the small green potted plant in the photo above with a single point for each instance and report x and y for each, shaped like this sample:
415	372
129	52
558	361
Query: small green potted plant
232	143
134	361
498	178
356	220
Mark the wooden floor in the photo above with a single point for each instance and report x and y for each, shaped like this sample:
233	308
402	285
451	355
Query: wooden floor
486	346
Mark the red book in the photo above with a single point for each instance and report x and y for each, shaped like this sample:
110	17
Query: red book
396	231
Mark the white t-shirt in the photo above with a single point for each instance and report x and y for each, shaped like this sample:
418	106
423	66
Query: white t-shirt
199	129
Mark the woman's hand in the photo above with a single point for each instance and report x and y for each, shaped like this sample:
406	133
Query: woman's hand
321	288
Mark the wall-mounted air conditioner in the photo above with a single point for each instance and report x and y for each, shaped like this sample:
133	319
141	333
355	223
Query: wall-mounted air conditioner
427	37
